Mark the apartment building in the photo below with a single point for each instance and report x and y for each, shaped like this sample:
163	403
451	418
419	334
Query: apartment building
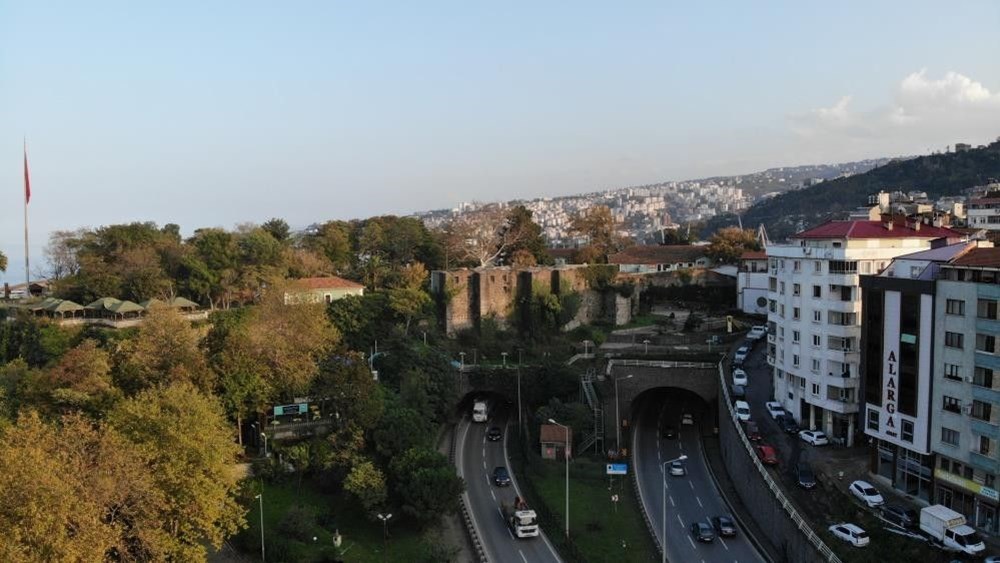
751	283
814	313
965	426
984	212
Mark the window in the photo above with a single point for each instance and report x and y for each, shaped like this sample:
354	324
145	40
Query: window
817	340
952	404
986	343
817	316
983	377
915	271
795	336
772	305
815	389
772	284
795	313
815	365
873	420
781	288
981	410
817	291
796	289
954	307
865	267
953	339
818	267
983	446
795	360
907	431
952	371
949	436
781	310
797	265
986	309
842	267
802	383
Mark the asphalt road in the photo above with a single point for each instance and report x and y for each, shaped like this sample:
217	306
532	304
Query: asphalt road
476	458
690	498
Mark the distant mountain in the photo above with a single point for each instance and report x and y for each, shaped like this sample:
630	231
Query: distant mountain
938	175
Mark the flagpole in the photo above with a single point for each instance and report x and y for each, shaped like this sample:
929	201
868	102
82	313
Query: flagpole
27	275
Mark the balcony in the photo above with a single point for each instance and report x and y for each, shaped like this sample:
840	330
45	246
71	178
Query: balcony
843	306
843	331
836	405
847	279
984	428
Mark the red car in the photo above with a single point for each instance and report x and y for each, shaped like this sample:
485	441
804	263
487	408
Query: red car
753	433
767	454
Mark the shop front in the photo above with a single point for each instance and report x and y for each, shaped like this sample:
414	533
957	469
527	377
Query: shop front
977	502
908	471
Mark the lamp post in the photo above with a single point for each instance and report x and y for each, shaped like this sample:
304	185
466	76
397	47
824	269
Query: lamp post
663	515
385	532
264	436
504	354
260	498
462	355
618	417
519	425
646	344
566	457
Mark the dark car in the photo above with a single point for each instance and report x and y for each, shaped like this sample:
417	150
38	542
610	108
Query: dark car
670	431
806	478
501	477
788	424
753	432
739	392
494	434
702	532
899	516
724	525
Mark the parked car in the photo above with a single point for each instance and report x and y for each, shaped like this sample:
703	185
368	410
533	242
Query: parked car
757	332
702	532
670	431
743	411
866	493
738	392
774	409
677	469
741	355
901	517
501	477
494	434
753	432
850	533
724	525
687	419
788	424
768	455
739	377
814	437
806	478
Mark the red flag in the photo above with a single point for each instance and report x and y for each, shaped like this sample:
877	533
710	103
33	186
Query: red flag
27	181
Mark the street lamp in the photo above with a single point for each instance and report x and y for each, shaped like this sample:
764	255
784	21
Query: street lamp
618	418
566	457
264	436
646	343
260	498
519	425
385	532
462	355
504	354
663	515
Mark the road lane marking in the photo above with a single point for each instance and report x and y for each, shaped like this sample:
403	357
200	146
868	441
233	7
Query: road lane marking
699	501
681	521
693	546
523	558
672	500
492	494
723	543
484	464
484	451
692	485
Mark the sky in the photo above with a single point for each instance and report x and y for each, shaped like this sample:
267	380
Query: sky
225	112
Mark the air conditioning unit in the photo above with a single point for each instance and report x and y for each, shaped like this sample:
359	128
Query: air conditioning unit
967	409
807	251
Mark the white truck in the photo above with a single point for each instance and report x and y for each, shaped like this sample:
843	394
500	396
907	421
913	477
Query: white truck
948	529
522	520
481	409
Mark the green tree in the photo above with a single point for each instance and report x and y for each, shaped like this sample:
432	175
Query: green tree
529	247
727	244
165	349
366	484
80	380
277	228
426	485
355	396
400	429
3	262
409	298
599	226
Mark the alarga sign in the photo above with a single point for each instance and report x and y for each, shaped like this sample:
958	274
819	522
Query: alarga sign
890	377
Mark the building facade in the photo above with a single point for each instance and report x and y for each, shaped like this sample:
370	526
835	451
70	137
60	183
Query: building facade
965	428
984	213
814	314
751	283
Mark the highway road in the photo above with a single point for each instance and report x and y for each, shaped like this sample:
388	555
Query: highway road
476	458
690	498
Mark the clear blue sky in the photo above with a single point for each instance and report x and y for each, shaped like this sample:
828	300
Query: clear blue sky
214	113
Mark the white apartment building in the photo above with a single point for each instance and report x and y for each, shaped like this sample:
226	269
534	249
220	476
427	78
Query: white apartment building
751	283
984	213
814	314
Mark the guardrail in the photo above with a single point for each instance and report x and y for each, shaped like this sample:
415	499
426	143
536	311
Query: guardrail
645	515
658	364
803	526
470	528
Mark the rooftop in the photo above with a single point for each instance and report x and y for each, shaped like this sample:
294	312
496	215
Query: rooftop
979	258
330	282
552	433
754	255
873	230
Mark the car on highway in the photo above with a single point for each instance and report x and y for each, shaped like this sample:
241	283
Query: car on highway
774	409
741	355
702	532
788	424
738	392
670	431
743	410
724	525
805	476
900	517
687	419
850	533
867	494
677	469
501	477
767	454
494	434
757	332
753	432
739	377
814	437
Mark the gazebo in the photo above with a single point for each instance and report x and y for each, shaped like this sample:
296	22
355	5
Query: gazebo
154	302
126	309
185	305
101	307
64	308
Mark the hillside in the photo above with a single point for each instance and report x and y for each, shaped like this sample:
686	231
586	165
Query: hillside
938	175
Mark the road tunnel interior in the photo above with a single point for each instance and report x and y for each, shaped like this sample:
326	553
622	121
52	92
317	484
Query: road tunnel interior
498	404
667	406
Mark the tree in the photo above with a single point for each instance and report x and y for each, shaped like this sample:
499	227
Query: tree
165	349
3	262
409	298
353	392
426	484
80	380
484	236
400	429
529	248
188	448
599	226
277	228
727	244
366	484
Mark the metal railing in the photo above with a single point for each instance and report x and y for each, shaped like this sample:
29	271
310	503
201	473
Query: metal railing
470	527
596	438
803	526
657	364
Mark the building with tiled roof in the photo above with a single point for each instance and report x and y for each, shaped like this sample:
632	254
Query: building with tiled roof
321	290
751	282
647	259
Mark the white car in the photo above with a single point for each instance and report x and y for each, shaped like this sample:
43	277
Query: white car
677	469
742	411
757	332
774	409
741	354
687	419
814	437
739	377
867	494
851	534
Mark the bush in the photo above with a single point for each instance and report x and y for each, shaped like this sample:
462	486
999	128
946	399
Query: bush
298	523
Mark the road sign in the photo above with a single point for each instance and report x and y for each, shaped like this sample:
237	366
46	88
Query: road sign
617	469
